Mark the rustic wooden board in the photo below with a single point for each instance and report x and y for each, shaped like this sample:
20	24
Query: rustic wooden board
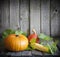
35	15
55	17
13	53
35	52
45	17
14	14
0	15
9	53
4	14
24	15
26	53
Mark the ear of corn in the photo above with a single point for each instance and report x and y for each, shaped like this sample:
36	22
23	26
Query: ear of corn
40	47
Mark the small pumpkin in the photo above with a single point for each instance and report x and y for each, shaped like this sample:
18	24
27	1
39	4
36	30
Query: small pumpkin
15	42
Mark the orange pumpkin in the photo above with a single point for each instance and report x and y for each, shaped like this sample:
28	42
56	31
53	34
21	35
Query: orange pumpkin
16	42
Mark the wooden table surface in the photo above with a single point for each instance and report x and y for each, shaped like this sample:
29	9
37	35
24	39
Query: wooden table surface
33	53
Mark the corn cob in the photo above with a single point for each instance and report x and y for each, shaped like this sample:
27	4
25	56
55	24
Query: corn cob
40	47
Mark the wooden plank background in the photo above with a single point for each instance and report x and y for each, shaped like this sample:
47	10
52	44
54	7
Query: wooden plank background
14	13
43	15
55	17
24	15
4	14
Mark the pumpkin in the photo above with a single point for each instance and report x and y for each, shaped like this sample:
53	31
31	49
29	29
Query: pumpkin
34	35
15	42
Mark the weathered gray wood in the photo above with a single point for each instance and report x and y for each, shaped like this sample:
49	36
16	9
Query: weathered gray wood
45	17
4	14
35	15
14	13
0	15
24	15
9	53
55	17
35	52
13	53
26	53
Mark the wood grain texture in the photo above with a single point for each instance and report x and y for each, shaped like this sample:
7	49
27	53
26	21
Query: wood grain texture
0	16
35	15
4	14
14	14
29	14
13	53
55	18
24	15
45	16
35	52
26	53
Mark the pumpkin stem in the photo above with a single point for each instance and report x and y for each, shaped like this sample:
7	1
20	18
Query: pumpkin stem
34	31
16	35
